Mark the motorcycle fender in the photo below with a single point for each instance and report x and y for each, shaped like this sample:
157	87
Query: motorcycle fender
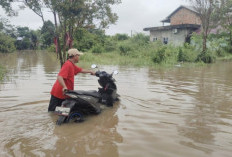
69	103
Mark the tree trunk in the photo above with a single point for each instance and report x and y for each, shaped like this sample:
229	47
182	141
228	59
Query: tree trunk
58	41
42	19
64	40
204	43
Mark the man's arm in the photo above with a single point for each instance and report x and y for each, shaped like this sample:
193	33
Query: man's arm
87	71
62	83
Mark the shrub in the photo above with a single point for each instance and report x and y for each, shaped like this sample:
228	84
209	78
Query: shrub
6	43
23	44
110	46
218	45
125	49
97	49
159	55
229	49
196	40
187	53
2	72
51	48
140	39
87	39
165	53
121	37
206	57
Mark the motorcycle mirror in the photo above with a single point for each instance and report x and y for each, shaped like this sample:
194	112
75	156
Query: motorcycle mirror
115	72
93	66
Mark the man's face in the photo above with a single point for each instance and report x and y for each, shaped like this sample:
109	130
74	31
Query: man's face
76	57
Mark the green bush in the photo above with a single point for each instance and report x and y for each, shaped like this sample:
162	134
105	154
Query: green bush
187	53
2	72
47	34
218	46
23	44
121	37
51	48
196	40
85	40
110	45
6	43
125	49
97	49
229	49
206	57
140	39
159	55
165	54
220	52
182	56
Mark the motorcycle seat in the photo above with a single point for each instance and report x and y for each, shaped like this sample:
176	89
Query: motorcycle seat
92	93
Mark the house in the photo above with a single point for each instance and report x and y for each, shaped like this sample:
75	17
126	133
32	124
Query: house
183	22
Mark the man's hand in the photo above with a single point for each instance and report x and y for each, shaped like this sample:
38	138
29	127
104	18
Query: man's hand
64	90
92	73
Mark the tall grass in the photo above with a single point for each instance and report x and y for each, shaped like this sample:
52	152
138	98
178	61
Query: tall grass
112	59
2	72
139	51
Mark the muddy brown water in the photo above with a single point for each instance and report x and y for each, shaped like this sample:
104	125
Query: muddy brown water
175	112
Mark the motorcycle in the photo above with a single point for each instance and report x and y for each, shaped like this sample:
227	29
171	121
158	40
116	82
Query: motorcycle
81	103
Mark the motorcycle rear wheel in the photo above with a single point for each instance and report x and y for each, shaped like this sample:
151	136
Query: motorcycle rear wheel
75	117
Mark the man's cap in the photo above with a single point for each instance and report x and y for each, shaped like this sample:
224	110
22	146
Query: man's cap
73	52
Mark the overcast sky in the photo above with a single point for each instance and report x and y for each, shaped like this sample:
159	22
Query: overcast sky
134	15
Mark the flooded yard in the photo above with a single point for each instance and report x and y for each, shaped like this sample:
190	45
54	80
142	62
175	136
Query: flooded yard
175	112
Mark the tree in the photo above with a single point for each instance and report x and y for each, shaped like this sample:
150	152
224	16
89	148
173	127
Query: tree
73	14
34	5
7	5
6	43
23	32
69	15
6	36
85	40
121	37
205	10
34	39
48	33
224	17
7	28
26	38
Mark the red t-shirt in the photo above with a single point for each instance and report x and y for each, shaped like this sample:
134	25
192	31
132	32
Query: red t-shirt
68	71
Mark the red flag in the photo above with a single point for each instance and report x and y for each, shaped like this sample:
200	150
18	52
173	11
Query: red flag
55	42
68	40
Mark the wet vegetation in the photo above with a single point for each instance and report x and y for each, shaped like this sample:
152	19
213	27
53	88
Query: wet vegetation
119	49
138	50
122	49
2	72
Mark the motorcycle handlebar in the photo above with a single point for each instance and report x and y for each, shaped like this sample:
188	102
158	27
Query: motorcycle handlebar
102	73
66	91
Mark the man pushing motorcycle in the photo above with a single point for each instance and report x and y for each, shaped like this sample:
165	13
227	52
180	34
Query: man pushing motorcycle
65	78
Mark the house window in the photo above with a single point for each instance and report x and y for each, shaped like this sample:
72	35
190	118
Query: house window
165	40
155	39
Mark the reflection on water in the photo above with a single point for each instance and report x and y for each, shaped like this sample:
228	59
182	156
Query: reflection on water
175	112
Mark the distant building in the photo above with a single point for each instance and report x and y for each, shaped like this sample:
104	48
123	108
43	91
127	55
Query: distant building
183	22
20	38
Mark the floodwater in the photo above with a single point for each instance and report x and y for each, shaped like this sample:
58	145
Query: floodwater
175	112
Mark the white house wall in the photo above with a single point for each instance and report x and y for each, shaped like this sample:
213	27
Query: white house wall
176	39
